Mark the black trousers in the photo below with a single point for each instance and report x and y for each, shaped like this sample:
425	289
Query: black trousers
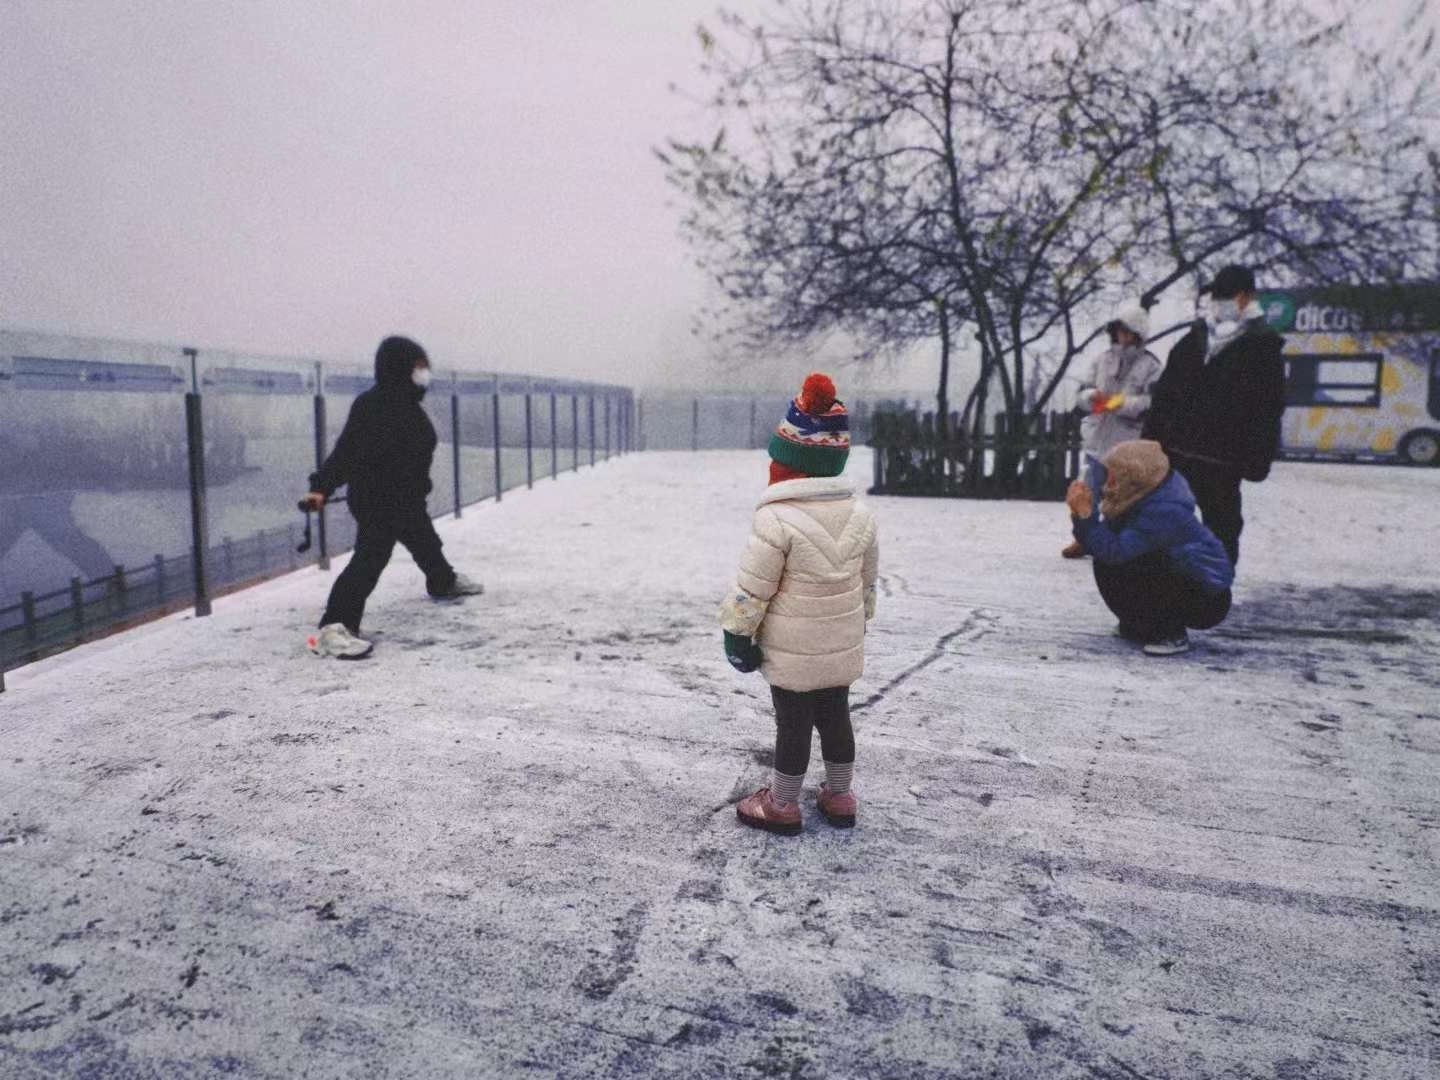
1153	600
374	543
796	712
1217	493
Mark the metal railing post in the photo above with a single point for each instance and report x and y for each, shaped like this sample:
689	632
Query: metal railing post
750	443
199	520
77	607
640	408
695	424
591	411
32	630
495	419
607	427
322	442
575	432
27	616
554	441
529	446
455	443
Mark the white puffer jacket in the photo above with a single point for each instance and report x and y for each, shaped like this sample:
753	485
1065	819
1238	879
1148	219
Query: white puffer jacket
1118	370
807	584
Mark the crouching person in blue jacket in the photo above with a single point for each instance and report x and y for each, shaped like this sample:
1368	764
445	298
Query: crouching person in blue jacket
1158	568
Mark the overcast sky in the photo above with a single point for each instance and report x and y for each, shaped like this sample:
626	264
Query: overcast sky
306	177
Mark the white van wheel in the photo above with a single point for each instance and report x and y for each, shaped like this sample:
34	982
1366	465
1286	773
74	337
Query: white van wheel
1421	448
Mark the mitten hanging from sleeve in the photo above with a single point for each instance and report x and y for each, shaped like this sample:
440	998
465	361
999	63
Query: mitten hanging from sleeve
740	617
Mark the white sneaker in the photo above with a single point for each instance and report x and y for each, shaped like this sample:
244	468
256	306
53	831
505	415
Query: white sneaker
463	586
335	640
1172	646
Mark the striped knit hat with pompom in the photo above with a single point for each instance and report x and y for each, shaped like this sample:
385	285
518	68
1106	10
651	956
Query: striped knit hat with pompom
814	437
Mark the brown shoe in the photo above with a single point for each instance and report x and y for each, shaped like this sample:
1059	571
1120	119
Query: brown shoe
760	811
839	810
1073	550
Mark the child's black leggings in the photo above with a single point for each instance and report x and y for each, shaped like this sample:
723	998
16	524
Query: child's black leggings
796	712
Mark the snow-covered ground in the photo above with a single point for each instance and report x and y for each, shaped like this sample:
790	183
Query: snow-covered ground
505	846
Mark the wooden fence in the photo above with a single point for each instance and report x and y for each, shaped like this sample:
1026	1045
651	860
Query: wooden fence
1036	460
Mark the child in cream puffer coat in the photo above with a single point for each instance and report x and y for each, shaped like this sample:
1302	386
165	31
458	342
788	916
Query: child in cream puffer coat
805	590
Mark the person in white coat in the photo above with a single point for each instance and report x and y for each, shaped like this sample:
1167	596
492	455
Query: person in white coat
1116	395
805	590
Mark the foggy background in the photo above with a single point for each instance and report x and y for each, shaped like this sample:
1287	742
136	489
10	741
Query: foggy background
307	178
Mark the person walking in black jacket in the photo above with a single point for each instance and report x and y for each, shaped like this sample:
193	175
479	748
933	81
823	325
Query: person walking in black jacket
1216	408
384	455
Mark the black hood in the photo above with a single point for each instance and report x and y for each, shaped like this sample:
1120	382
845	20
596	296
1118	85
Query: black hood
395	362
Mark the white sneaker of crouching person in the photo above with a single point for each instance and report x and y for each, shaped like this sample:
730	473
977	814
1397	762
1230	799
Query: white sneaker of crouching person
1169	645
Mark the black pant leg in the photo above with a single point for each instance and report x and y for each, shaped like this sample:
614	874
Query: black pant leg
374	541
1231	519
794	717
418	535
1217	493
1146	595
832	721
1221	509
1207	609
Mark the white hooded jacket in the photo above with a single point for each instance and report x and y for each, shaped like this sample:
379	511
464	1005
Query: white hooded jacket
806	584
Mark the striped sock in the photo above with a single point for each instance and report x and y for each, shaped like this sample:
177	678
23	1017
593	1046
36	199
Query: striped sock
785	789
839	777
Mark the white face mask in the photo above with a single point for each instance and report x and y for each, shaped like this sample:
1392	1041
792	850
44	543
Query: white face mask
1223	311
421	377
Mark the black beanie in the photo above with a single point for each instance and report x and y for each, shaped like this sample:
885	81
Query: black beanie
395	359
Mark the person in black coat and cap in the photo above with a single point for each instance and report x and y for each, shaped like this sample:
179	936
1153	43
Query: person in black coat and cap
1217	406
384	455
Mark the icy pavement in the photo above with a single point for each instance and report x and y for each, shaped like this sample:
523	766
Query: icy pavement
505	846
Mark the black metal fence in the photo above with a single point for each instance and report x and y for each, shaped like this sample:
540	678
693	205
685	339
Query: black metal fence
167	476
1036	460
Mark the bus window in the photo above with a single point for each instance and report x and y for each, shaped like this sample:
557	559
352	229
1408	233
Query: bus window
1333	380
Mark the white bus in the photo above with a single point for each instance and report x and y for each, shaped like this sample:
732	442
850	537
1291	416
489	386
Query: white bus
1362	370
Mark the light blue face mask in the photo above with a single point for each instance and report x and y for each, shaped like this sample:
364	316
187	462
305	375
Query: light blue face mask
421	377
